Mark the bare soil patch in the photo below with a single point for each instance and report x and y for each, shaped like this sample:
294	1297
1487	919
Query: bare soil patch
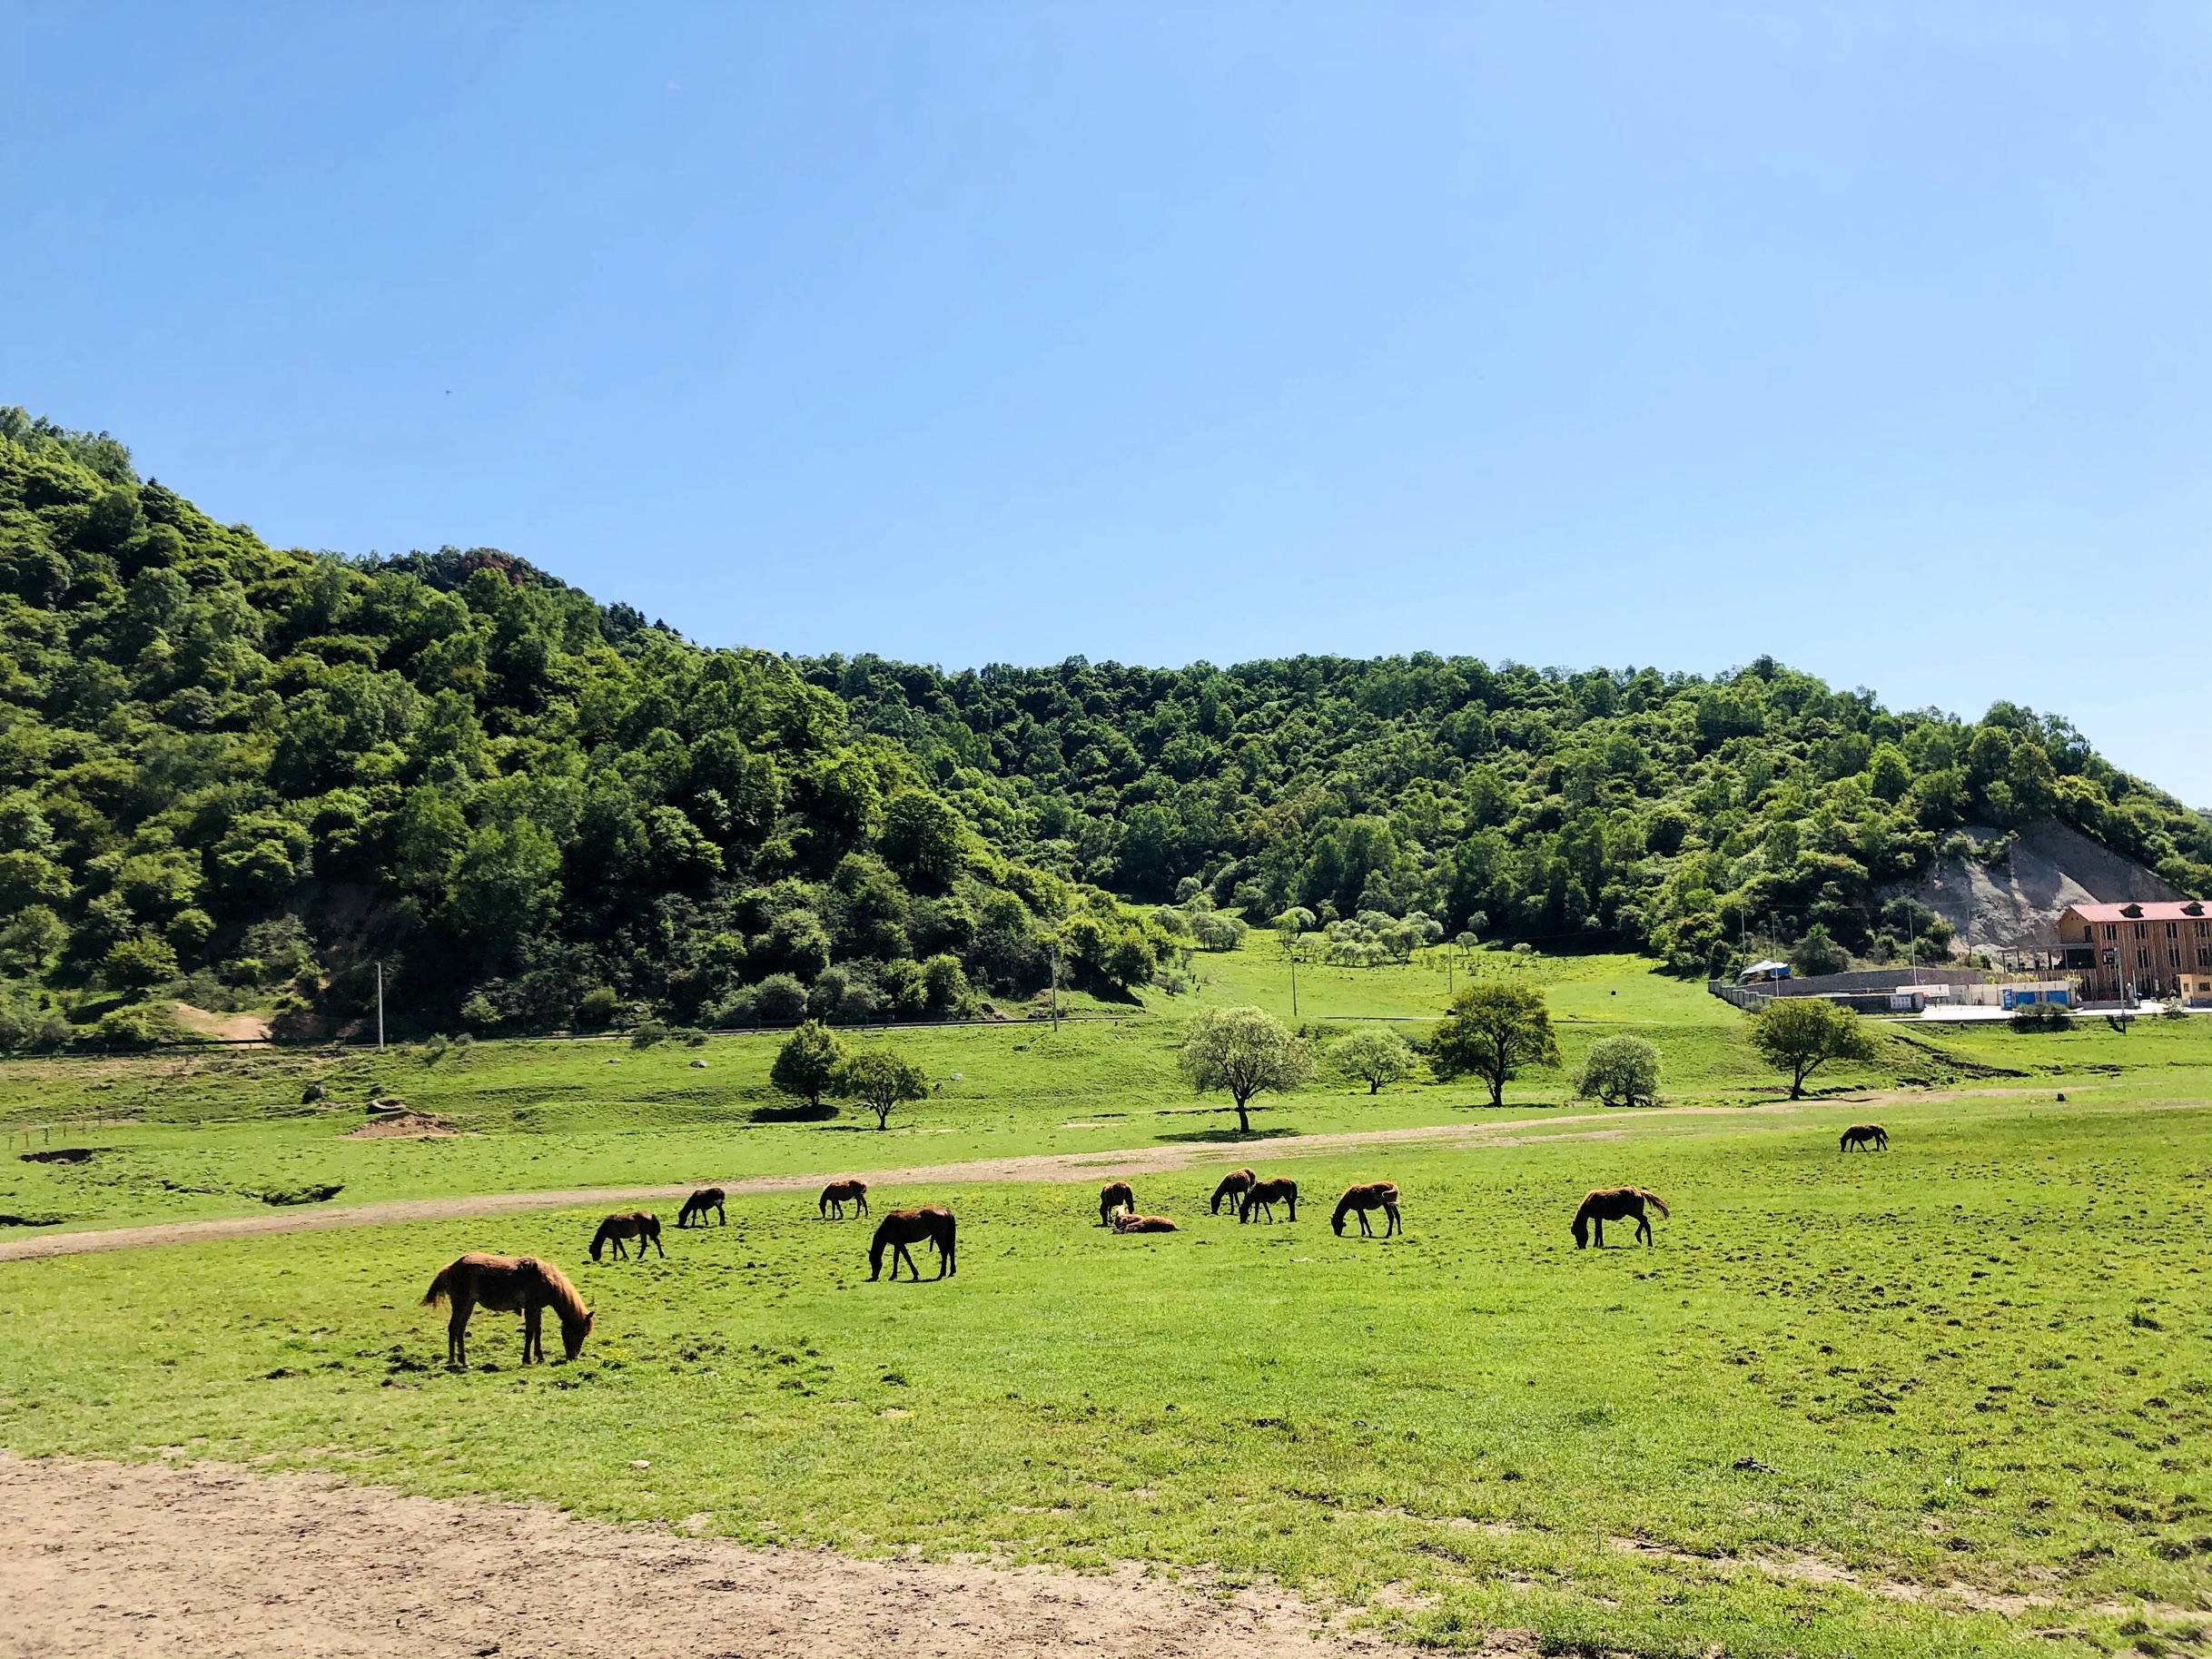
231	1027
208	1558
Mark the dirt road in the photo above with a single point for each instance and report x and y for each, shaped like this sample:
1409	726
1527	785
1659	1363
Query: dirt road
1069	1167
211	1559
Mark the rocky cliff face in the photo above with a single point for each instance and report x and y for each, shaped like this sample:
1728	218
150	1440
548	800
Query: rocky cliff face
2009	892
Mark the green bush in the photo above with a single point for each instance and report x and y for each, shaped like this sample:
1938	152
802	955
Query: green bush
1620	1072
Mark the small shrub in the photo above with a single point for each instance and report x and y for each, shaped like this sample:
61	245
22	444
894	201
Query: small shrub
598	1008
2042	1017
779	1000
138	1025
1620	1072
479	1013
647	1033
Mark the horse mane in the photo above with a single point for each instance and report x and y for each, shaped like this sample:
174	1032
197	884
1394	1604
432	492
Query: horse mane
561	1294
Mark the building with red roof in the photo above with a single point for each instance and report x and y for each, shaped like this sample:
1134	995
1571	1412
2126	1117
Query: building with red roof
2158	948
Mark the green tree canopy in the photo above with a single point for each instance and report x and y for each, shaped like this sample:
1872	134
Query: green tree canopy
1799	1033
881	1079
1374	1056
805	1067
1621	1071
1243	1051
1493	1031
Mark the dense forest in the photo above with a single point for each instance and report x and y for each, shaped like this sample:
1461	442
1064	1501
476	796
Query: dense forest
231	775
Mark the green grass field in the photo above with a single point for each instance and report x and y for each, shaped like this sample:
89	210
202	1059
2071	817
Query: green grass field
1966	1382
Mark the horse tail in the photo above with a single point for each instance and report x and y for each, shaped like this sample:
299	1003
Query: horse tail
1654	1198
440	1287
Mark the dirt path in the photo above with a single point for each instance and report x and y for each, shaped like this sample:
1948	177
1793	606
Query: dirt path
211	1559
1067	1167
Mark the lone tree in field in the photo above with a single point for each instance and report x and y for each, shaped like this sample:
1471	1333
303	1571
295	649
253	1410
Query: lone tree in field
1800	1033
1491	1032
1620	1072
806	1063
1373	1055
881	1081
1243	1050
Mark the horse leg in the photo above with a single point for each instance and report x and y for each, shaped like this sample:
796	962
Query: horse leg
907	1256
457	1334
1393	1225
1597	1224
1644	1230
657	1245
533	1332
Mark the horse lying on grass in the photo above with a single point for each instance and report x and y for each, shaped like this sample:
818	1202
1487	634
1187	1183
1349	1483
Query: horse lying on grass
902	1227
1868	1136
509	1284
1115	1195
1615	1204
1377	1195
642	1225
1234	1186
1265	1195
700	1203
1130	1222
838	1194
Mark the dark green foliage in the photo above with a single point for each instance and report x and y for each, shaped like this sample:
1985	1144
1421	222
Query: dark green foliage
1668	811
806	1065
1493	1031
882	1081
1800	1033
263	770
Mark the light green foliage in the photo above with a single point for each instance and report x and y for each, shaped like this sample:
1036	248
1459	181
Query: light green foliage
806	1063
140	963
1242	1052
1494	1032
1800	1034
1375	1056
1621	1072
880	1079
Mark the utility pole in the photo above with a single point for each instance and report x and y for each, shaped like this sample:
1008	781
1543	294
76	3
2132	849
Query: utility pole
380	1005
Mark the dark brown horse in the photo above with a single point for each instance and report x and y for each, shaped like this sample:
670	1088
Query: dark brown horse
1866	1136
1377	1195
1115	1195
1234	1186
1128	1221
839	1193
902	1227
1615	1204
1265	1195
509	1284
642	1225
700	1203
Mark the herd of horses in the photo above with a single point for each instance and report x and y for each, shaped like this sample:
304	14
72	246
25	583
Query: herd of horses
526	1286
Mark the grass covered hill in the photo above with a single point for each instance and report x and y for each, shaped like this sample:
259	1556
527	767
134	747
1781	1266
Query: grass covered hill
240	775
1664	810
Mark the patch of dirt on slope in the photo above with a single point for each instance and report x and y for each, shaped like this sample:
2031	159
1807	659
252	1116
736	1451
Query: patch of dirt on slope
403	1125
209	1558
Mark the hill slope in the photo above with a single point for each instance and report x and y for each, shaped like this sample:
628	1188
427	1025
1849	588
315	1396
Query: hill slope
235	772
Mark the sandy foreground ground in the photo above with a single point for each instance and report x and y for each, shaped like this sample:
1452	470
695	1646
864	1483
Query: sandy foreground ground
217	1562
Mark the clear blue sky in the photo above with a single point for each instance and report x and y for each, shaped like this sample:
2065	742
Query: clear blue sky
1875	337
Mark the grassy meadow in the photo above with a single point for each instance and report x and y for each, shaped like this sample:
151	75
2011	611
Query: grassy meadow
1949	1399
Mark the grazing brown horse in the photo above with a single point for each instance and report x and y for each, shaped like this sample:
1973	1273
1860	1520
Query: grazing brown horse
700	1203
1234	1186
642	1225
1615	1204
1377	1195
1115	1195
1128	1221
1865	1135
509	1284
839	1193
1265	1195
902	1227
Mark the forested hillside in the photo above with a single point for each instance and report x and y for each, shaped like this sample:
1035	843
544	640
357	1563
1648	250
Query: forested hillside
230	773
1525	805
